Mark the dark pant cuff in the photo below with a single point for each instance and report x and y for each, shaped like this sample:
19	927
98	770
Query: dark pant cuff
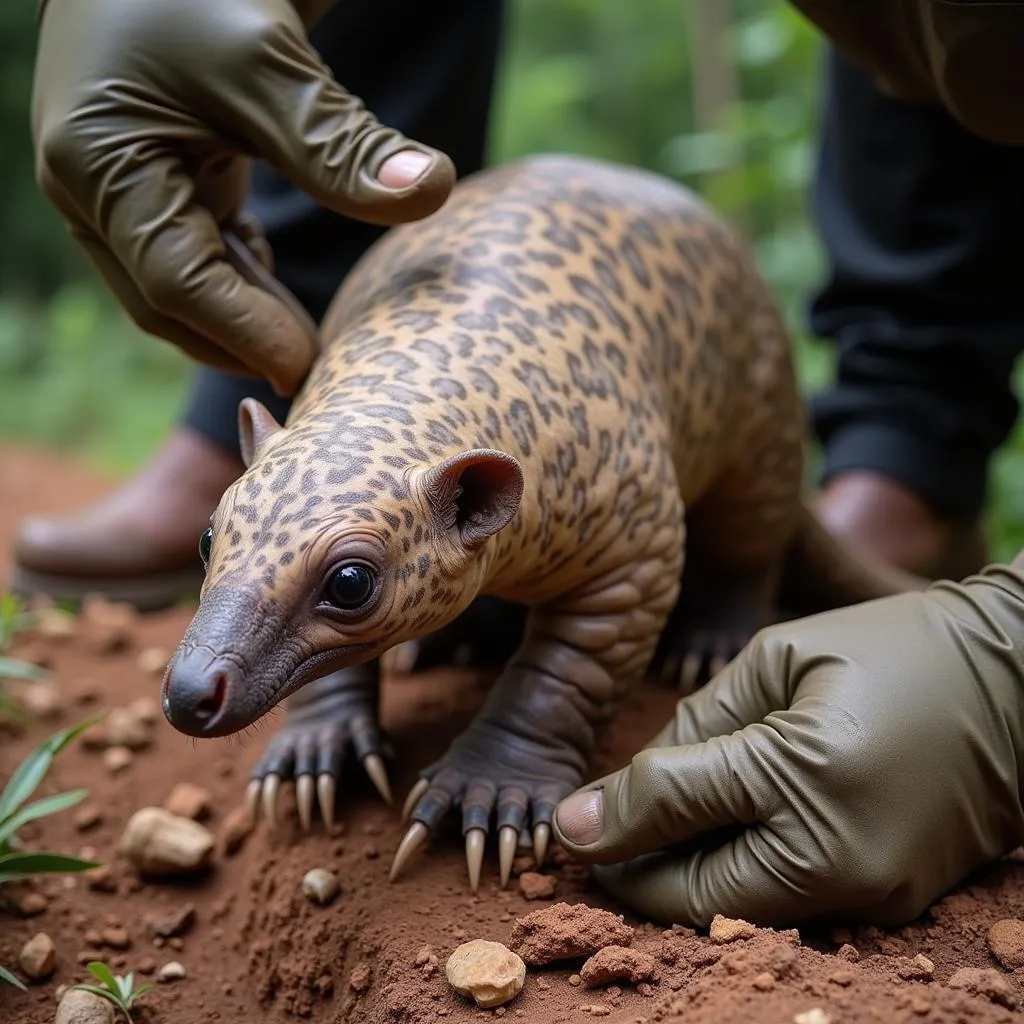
953	481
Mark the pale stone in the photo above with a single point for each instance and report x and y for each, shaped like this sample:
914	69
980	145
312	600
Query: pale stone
729	929
160	843
320	885
487	972
78	1007
38	958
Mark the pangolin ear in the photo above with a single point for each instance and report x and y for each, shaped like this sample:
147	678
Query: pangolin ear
256	425
474	494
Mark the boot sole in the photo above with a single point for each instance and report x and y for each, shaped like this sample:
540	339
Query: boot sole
155	592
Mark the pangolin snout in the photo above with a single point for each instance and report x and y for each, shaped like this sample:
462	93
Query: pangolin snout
198	691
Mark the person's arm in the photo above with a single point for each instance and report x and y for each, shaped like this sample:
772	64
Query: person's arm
860	762
145	116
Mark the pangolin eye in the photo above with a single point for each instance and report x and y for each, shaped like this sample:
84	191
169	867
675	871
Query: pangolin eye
350	586
206	545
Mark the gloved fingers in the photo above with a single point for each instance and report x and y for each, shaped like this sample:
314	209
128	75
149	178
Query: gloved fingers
751	876
664	796
175	253
124	289
303	122
751	687
249	231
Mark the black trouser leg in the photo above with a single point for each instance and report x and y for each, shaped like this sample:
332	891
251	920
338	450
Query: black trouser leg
922	224
425	69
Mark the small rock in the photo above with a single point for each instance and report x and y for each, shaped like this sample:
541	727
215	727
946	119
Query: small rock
920	1006
176	943
116	759
985	982
152	661
101	879
93	938
320	885
564	932
189	801
423	955
79	1007
123	728
32	904
40	699
816	1015
534	886
147	965
575	980
54	625
88	816
848	953
236	828
160	843
764	982
1006	940
615	962
359	978
38	957
599	1010
730	929
919	968
843	977
487	972
171	971
175	923
116	938
146	709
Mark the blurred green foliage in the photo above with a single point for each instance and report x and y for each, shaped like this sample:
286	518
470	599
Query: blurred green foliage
599	77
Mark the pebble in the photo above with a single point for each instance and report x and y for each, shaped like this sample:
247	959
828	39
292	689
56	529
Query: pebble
78	1007
359	978
487	972
38	957
146	709
152	661
236	828
88	816
985	982
116	759
123	728
535	886
32	904
816	1015
575	980
618	962
116	938
920	968
764	982
54	624
41	699
848	953
160	843
1006	940
920	1006
175	923
320	886
189	801
171	971
93	938
101	879
147	965
730	929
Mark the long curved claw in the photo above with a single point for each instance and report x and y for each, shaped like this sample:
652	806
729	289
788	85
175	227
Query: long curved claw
373	765
271	785
414	798
475	841
326	789
252	799
304	787
508	839
541	838
411	842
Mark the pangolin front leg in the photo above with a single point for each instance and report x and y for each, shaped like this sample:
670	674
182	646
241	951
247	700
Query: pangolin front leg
327	721
529	746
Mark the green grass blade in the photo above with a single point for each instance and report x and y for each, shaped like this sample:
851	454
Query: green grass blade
33	769
14	668
101	992
20	865
5	975
39	809
98	969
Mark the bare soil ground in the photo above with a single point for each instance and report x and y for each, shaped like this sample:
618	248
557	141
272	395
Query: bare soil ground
261	952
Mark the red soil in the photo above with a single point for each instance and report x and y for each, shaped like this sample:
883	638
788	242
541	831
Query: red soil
260	951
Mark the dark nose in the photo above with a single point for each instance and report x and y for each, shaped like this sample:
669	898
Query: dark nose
198	690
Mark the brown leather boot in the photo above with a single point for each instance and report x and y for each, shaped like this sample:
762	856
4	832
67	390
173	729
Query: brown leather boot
138	545
875	512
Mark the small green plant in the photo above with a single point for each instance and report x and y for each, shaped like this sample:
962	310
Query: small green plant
13	619
119	989
16	862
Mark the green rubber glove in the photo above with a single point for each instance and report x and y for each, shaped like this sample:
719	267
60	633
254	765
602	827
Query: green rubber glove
146	114
857	763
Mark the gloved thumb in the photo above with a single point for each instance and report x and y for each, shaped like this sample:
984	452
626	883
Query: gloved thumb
665	796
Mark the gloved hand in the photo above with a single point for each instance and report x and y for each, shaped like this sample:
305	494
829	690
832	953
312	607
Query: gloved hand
145	116
857	763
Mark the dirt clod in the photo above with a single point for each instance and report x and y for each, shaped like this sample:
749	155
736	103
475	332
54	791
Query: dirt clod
160	843
487	972
567	932
88	816
176	923
32	904
535	886
117	759
730	929
615	963
235	829
116	938
38	957
983	981
189	801
1006	940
